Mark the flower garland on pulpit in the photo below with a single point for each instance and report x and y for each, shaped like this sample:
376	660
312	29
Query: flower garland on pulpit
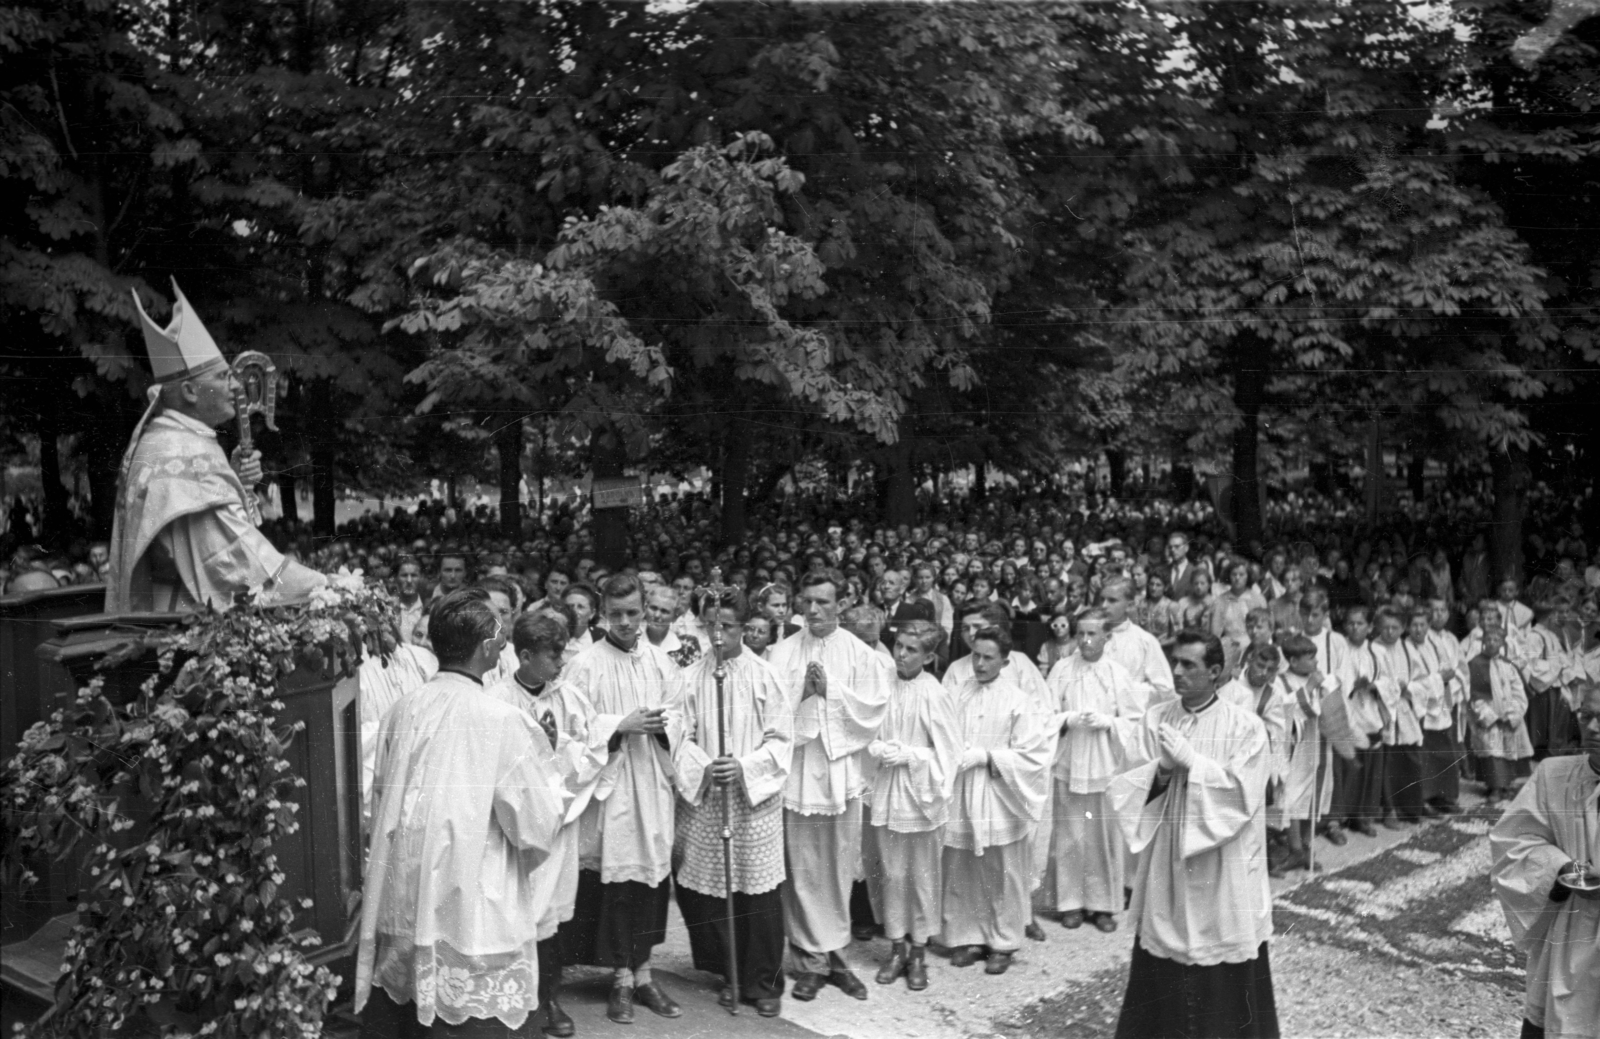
172	802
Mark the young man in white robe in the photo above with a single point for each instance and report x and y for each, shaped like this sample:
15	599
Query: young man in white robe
839	687
1308	758
380	684
1402	684
1496	707
1360	805
1551	670
916	753
1002	782
1442	754
579	745
1098	711
1545	847
1138	651
732	761
626	831
467	800
976	616
1191	804
1336	667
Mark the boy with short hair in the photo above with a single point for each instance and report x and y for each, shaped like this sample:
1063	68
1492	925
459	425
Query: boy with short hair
916	751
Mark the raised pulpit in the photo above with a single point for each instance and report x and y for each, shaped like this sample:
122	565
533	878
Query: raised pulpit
321	860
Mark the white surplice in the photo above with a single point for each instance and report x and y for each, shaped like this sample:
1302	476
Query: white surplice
468	805
379	686
915	797
758	726
831	731
1201	895
1305	752
580	755
1554	820
1086	758
999	803
1141	653
627	829
1019	669
1402	685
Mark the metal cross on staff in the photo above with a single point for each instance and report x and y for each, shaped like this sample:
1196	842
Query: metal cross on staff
715	590
257	390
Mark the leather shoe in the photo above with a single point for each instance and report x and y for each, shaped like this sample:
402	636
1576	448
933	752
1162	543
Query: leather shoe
846	981
619	1007
1364	827
1429	812
807	985
1392	822
654	997
1336	835
1105	922
917	969
999	963
1448	808
863	932
557	1022
1034	931
769	1006
894	966
1072	920
725	997
966	956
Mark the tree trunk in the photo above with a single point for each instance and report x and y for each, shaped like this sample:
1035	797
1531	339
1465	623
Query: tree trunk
57	516
980	483
900	489
1417	477
1183	481
735	474
508	444
606	458
1321	476
1117	464
323	452
290	497
1249	393
103	443
1510	479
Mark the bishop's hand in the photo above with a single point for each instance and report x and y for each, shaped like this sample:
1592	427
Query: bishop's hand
816	682
247	464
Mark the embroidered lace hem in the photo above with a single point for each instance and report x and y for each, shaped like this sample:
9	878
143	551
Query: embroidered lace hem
454	986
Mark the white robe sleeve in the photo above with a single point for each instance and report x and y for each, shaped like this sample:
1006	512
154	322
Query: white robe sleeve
1526	859
847	719
527	804
766	768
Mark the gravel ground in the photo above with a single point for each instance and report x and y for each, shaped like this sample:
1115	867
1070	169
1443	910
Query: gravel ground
1321	991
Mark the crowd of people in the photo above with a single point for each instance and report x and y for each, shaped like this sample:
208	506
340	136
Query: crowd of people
1037	707
949	732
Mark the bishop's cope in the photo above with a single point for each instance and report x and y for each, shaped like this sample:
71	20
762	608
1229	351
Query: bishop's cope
182	537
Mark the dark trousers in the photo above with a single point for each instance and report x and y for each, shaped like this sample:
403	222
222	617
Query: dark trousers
1358	786
1170	1000
1441	765
1402	786
1531	1030
614	925
757	932
1497	774
383	1018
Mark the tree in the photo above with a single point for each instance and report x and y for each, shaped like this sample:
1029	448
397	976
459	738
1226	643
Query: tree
1311	227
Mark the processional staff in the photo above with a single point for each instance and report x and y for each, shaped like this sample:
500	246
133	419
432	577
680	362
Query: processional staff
715	591
256	390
